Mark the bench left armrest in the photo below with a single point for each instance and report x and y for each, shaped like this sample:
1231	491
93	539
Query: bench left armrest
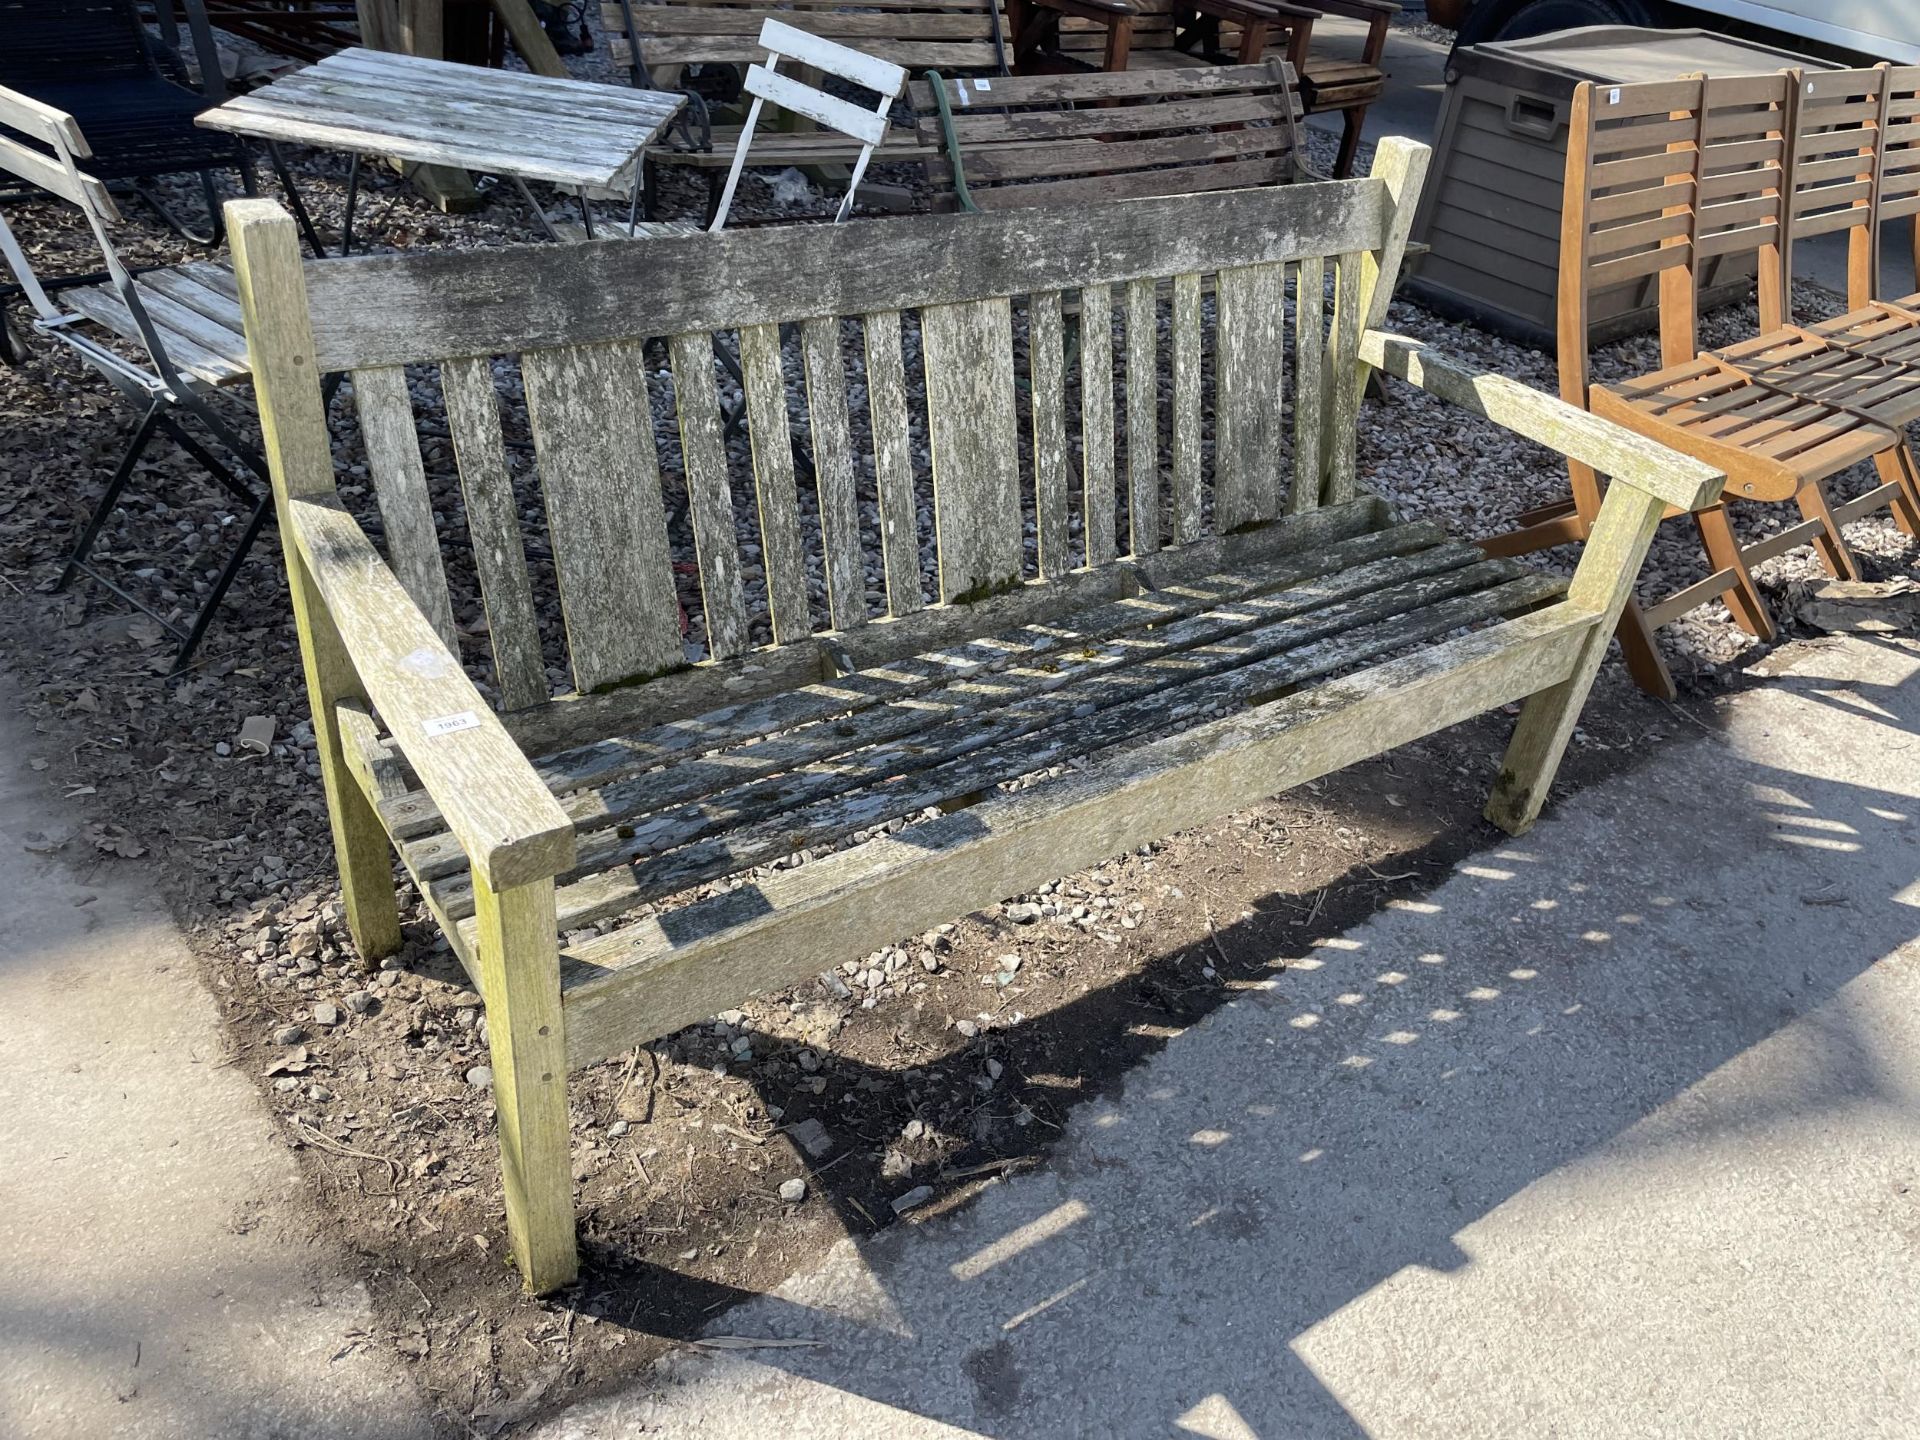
1613	450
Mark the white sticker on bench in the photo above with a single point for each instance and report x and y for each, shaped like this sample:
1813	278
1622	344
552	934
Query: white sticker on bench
1613	96
983	84
448	724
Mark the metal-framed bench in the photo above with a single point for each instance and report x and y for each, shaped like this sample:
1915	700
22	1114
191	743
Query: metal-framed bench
1197	628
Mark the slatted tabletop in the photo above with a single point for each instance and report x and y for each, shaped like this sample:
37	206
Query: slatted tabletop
567	132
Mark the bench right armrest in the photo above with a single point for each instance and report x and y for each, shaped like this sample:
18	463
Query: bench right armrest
1613	450
506	820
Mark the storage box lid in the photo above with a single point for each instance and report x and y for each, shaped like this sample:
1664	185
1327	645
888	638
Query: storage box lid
1618	55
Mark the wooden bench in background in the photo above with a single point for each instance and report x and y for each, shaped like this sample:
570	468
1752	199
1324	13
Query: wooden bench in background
1080	137
1195	569
1343	78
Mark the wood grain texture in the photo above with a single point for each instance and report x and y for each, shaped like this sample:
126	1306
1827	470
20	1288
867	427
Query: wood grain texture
1309	385
493	526
833	473
1343	403
1188	385
1046	366
1248	380
703	450
518	961
389	309
893	462
781	547
593	435
400	488
973	434
1143	417
1096	424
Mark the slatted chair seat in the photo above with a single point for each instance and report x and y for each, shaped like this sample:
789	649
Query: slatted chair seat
778	148
196	310
1195	624
1811	364
1062	139
1717	412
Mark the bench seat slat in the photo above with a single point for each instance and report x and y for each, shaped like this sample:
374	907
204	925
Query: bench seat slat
662	973
1287	653
1207	628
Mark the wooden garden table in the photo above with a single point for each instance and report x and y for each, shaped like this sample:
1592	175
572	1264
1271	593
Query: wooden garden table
574	134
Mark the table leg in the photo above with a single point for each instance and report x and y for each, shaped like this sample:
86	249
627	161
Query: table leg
293	199
538	213
586	213
353	193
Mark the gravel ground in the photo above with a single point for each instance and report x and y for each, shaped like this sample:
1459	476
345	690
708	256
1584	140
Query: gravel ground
931	1063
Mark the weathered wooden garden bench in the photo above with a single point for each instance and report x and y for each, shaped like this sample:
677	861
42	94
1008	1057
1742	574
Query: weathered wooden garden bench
1088	135
1184	639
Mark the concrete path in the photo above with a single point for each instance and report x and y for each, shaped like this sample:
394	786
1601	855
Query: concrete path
155	1280
1615	1133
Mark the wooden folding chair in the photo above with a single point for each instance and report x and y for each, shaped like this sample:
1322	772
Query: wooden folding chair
1661	178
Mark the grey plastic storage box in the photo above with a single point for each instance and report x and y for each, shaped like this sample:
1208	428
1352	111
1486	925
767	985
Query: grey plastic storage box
1491	208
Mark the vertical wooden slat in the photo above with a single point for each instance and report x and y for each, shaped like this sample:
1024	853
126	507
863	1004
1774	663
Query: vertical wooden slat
893	462
709	494
593	435
1096	421
1343	412
1143	417
1248	383
400	486
833	472
968	353
493	525
1186	409
1046	363
767	427
1309	382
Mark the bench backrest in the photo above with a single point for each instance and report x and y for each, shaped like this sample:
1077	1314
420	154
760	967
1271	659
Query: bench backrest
1030	469
916	34
1069	139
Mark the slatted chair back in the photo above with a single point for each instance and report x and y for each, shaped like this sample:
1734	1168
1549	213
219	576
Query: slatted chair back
81	41
1065	139
1836	149
637	482
1633	172
1742	196
1898	190
917	34
809	53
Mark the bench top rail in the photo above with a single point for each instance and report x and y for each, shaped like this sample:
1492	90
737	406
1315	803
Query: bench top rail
958	34
1001	371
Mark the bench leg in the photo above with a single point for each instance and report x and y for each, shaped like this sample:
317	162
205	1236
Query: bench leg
360	844
1602	584
519	963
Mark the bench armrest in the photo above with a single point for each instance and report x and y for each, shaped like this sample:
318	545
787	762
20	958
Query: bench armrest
506	820
1613	450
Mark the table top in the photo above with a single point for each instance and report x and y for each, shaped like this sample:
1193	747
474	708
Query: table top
502	122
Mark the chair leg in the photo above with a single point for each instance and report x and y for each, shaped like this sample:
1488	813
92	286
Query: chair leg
1641	651
96	522
228	574
1750	612
1350	122
1896	467
519	963
1830	545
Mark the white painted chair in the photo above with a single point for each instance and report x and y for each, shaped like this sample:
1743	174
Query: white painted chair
765	82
